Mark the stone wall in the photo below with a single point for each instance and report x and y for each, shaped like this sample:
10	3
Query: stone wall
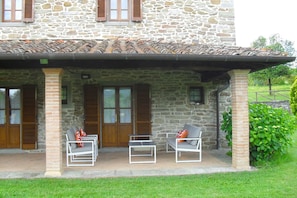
170	106
279	104
200	21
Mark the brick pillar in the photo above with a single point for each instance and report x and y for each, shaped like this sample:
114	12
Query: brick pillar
240	119
53	122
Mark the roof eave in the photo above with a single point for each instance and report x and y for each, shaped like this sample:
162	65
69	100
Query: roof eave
155	57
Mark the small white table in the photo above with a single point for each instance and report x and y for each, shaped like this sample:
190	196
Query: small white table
138	141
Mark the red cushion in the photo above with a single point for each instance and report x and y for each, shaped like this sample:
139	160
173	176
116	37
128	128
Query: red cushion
78	138
82	133
182	134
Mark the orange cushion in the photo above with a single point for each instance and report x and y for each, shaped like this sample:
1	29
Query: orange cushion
82	133
182	134
78	138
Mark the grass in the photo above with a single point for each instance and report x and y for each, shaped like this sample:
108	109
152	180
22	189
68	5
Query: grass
261	93
275	179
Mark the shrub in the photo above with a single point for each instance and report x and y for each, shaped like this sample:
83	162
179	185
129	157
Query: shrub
293	97
270	131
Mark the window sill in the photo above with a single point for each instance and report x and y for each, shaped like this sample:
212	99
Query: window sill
12	24
117	23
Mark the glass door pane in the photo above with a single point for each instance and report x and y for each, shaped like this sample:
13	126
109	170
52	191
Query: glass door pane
109	105
2	106
15	106
125	105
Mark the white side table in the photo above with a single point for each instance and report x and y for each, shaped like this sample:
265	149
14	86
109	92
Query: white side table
142	144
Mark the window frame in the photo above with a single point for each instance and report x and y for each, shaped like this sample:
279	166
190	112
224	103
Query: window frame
199	92
119	11
27	14
67	101
13	9
134	12
64	92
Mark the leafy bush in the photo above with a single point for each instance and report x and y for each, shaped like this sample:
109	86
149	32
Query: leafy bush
227	126
293	97
270	131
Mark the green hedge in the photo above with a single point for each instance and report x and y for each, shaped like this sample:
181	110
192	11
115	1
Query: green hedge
271	131
293	97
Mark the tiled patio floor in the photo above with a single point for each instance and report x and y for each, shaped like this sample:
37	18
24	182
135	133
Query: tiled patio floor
112	163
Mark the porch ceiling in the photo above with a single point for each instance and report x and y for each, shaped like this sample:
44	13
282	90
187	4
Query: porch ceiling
211	61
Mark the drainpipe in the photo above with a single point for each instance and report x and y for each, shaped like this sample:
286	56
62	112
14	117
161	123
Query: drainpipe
218	108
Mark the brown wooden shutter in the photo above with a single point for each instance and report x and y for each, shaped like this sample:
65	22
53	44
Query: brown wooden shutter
29	117
101	10
136	10
28	11
143	109
91	107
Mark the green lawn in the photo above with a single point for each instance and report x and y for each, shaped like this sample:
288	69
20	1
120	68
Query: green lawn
277	179
261	93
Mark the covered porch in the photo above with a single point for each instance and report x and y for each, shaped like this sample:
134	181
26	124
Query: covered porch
112	163
150	62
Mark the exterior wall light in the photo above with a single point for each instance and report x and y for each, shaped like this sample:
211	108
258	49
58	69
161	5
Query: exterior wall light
85	76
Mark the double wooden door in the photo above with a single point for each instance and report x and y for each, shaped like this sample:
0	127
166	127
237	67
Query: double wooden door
114	112
10	117
18	117
117	116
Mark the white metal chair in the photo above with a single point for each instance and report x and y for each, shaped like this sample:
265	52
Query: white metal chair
192	143
87	137
80	156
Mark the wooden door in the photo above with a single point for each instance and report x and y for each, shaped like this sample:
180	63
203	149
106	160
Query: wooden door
118	111
10	117
117	116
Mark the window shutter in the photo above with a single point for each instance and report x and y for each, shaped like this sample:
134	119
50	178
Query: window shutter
136	10
29	115
28	11
91	107
143	109
101	10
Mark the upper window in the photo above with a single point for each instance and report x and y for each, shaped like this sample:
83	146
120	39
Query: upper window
196	95
64	95
17	10
12	10
119	10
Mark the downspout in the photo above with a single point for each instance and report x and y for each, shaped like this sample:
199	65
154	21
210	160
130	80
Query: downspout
218	108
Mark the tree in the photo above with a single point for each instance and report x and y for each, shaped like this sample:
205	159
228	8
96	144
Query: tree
276	43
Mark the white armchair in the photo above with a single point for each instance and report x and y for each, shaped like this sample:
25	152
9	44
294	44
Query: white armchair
80	156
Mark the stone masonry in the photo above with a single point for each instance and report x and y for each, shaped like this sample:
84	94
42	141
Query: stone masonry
170	106
188	21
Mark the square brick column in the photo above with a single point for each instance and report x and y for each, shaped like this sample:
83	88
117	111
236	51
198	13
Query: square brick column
240	119
53	122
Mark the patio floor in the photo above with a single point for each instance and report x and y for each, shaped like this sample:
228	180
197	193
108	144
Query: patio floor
113	163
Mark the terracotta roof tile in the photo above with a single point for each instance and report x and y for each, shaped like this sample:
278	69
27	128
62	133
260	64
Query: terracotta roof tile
124	46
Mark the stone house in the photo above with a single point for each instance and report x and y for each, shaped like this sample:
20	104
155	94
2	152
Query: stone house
120	67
